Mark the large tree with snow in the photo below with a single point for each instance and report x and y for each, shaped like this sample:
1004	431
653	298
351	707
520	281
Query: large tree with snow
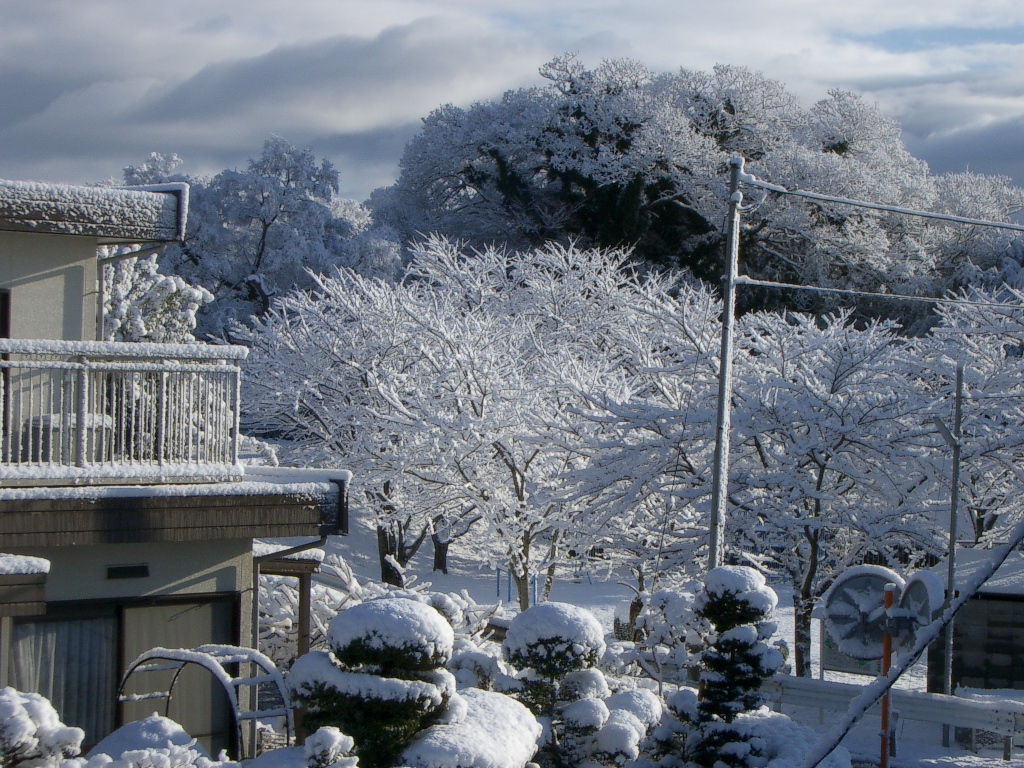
983	333
650	444
456	392
619	155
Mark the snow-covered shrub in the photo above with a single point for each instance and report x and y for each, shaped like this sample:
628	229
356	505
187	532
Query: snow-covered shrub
602	729
467	617
153	742
558	647
170	756
329	748
587	683
153	731
480	665
497	732
383	679
552	640
30	730
667	635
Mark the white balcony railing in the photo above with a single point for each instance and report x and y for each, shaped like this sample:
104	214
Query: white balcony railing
77	412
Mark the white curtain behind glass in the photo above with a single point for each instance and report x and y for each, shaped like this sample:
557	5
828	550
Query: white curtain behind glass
72	664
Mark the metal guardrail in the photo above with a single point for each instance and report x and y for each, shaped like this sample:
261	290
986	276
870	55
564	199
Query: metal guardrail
1005	718
104	411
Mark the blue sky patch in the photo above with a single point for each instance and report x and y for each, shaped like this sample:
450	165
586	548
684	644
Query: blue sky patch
909	40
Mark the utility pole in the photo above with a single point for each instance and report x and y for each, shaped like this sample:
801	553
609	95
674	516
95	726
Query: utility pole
953	439
720	487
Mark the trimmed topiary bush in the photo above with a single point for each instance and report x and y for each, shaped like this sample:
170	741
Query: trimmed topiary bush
557	647
383	680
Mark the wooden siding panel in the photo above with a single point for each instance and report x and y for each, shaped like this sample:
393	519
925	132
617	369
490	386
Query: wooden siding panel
155	519
23	594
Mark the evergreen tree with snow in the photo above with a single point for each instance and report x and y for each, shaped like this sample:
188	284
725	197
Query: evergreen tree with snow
547	642
557	647
737	606
383	680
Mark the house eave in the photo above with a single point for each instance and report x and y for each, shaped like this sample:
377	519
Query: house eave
154	214
44	517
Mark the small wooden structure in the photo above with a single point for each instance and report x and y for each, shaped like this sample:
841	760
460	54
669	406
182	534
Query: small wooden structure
988	632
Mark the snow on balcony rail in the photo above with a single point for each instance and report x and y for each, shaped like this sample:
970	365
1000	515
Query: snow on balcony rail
121	349
77	412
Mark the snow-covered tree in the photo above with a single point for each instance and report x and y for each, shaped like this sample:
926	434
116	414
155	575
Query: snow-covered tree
619	155
832	431
140	304
255	234
453	393
649	457
986	339
738	606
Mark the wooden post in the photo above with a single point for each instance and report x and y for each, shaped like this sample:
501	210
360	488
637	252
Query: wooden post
886	663
305	589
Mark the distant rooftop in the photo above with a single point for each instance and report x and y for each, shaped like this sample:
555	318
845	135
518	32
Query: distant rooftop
112	214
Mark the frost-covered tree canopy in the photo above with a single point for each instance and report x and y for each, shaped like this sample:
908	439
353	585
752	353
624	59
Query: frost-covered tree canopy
619	155
454	391
255	234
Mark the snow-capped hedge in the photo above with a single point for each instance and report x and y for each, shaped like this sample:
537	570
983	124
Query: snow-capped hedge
497	732
384	681
392	634
554	639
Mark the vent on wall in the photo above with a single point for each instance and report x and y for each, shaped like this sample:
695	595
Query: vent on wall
128	571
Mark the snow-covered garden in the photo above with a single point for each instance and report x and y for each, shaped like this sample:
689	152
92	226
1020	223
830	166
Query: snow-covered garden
515	350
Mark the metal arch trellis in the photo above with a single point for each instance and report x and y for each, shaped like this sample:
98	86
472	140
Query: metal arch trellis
213	658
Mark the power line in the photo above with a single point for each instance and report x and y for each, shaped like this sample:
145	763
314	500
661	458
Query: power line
753	181
745	280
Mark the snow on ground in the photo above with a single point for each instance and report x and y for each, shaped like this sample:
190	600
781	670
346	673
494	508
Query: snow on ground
919	745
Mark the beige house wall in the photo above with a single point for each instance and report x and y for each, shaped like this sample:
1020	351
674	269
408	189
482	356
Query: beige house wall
52	280
202	567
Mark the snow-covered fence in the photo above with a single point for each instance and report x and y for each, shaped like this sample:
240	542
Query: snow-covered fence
91	410
1005	718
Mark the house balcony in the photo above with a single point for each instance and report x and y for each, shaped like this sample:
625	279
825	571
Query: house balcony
88	413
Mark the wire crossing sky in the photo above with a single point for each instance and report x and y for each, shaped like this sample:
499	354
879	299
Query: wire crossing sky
88	88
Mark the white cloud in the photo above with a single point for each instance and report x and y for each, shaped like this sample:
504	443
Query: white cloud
96	85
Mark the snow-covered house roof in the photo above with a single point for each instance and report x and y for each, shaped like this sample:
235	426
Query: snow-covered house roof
1008	581
113	215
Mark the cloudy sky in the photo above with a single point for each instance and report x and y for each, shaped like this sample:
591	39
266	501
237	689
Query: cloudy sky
88	86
